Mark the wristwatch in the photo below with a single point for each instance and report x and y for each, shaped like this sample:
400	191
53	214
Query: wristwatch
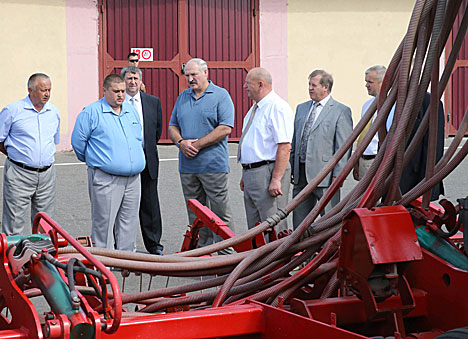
178	143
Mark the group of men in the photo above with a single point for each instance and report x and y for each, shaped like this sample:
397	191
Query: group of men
275	147
117	138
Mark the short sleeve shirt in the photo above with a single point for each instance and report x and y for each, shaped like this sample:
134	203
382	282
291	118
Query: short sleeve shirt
197	117
272	124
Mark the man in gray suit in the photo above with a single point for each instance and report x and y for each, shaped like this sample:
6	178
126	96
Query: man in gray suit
321	126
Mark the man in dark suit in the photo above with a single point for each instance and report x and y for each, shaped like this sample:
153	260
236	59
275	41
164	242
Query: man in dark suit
149	109
415	171
321	126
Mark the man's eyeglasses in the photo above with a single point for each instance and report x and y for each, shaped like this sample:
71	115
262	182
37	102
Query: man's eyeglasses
133	60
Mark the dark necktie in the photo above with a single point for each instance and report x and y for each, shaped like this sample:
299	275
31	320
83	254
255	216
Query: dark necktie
305	134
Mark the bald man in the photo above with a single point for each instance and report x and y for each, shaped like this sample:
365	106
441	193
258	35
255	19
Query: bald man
264	149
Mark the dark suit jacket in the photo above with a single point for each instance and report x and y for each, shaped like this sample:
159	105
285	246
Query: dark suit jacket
415	171
152	124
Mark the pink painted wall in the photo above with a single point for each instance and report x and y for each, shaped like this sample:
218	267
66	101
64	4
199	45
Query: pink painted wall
274	42
82	62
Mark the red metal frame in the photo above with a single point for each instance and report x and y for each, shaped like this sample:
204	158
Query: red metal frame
433	290
50	227
205	217
24	322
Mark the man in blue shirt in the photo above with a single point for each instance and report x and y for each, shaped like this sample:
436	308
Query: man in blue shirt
108	137
29	131
201	121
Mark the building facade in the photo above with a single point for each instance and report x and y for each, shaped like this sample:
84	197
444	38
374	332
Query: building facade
69	40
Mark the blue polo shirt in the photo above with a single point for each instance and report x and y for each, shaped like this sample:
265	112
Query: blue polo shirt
30	136
198	117
109	141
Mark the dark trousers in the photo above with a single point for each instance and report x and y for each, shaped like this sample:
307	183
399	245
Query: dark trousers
304	208
150	214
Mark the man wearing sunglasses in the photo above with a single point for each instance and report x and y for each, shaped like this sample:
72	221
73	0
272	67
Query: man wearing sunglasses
134	60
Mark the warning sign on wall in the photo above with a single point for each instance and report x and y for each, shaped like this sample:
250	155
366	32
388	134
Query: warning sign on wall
144	54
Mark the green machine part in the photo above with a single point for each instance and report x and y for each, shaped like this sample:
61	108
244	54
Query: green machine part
15	239
442	248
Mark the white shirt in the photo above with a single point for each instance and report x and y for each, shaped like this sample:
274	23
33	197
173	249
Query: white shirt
319	109
139	108
272	124
373	146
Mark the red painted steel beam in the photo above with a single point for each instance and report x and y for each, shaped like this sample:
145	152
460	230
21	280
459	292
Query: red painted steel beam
220	322
207	218
13	334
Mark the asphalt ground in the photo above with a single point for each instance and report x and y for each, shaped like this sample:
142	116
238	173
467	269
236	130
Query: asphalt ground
73	206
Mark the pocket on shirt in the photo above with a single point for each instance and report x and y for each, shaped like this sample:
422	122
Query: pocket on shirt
137	130
210	116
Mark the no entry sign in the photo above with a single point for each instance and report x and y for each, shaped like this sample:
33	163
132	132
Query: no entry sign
144	54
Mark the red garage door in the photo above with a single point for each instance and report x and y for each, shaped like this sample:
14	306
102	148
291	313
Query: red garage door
223	32
456	95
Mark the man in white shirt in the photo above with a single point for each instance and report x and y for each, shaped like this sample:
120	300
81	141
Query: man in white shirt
373	76
264	150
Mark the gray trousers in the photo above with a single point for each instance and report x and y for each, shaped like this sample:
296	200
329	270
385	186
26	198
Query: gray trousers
115	202
25	190
259	204
211	190
364	166
301	211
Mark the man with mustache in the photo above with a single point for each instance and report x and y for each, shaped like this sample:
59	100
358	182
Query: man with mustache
201	121
108	137
29	131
